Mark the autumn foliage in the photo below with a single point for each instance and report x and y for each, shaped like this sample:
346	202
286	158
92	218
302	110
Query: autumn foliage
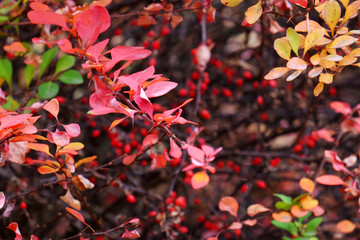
223	119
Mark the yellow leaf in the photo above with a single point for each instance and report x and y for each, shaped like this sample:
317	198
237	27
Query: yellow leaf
276	73
318	89
331	14
307	185
315	59
326	78
342	41
296	64
345	3
39	147
70	200
351	11
199	180
303	27
85	160
253	13
345	226
307	202
333	58
283	48
347	60
313	38
231	3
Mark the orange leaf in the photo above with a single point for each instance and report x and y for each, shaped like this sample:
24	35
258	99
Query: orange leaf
307	185
229	204
345	226
298	211
199	180
52	107
282	216
39	147
76	214
318	211
318	89
330	180
85	160
116	122
307	202
255	209
253	13
15	47
276	73
47	170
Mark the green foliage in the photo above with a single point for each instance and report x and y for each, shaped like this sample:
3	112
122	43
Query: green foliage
64	63
29	74
46	60
48	90
6	71
72	77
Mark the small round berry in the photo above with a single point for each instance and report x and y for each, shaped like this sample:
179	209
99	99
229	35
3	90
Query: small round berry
260	100
248	75
164	31
127	148
23	205
96	133
257	161
227	92
183	92
155	45
244	188
261	184
131	198
180	201
205	114
151	34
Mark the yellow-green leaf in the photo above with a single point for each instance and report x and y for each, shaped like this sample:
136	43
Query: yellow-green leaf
297	63
231	3
276	73
253	13
318	89
342	41
294	40
313	38
283	48
331	14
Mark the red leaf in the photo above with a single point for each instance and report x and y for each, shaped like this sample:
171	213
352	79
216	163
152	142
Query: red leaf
146	20
52	107
199	180
330	180
76	214
73	129
43	15
129	159
154	7
10	121
325	134
341	107
301	3
15	228
150	140
96	49
143	102
196	154
91	23
159	88
61	139
130	234
40	6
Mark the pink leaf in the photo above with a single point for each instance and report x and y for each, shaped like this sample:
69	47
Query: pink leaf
175	150
2	200
325	134
17	152
341	107
199	180
250	222
91	23
130	234
44	16
40	6
144	75
30	129
96	49
129	159
121	53
330	180
15	228
143	102
196	153
52	107
60	138
10	121
159	88
150	140
72	129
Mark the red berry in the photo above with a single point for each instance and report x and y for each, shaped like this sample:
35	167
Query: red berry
275	161
146	44
96	133
220	164
131	198
261	184
227	92
237	169
180	201
165	31
197	201
247	75
23	205
298	148
255	85
215	91
183	229
333	91
93	124
127	148
175	162
61	100
273	83
169	200
205	114
239	82
257	161
260	100
152	62
183	92
195	75
117	32
152	214
264	116
155	45
230	164
244	188
151	33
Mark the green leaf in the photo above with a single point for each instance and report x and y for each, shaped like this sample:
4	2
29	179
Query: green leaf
305	217
11	104
294	40
313	224
289	226
48	90
46	59
283	205
6	71
71	77
283	197
64	63
297	199
29	74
